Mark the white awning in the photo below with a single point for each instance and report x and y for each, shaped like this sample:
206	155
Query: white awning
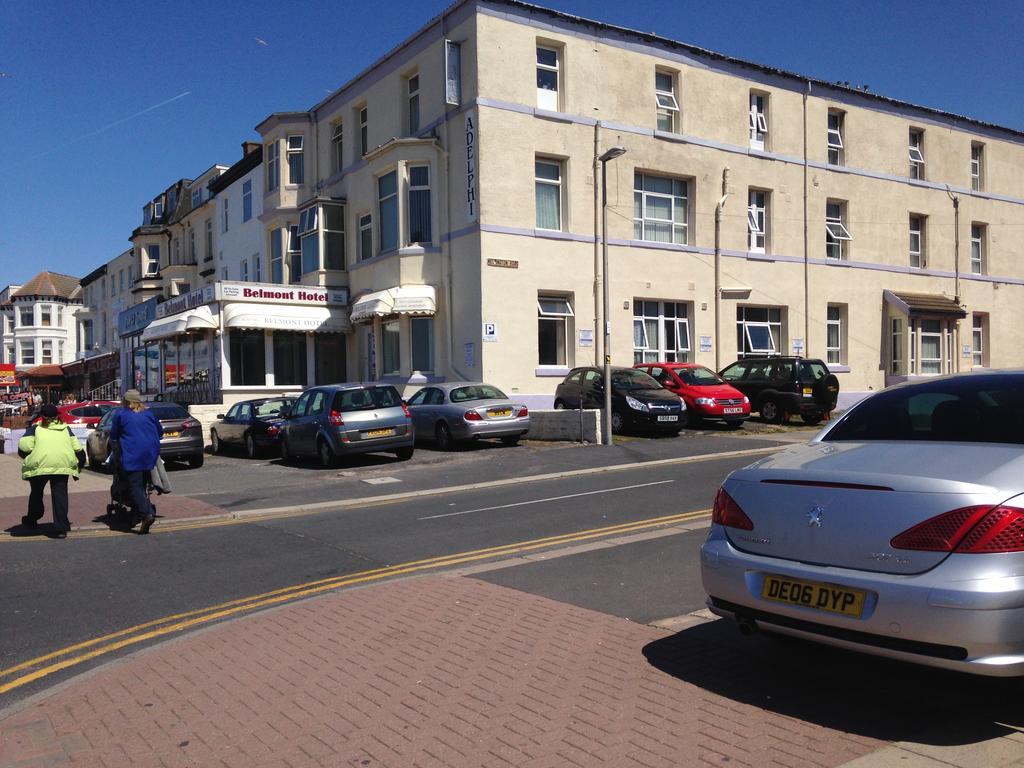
400	300
285	317
197	319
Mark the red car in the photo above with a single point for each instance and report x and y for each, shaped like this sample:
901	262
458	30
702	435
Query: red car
88	413
705	393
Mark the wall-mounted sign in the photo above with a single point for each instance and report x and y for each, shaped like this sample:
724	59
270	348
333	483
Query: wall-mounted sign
469	354
506	263
270	293
705	343
134	319
490	332
586	337
472	204
6	373
798	346
966	350
190	300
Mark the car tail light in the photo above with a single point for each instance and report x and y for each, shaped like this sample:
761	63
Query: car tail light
524	411
728	513
190	424
272	431
406	409
336	420
970	530
473	416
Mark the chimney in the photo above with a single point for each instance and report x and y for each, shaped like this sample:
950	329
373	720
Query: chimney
249	146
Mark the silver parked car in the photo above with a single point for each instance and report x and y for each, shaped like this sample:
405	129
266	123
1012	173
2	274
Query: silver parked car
182	439
446	413
898	531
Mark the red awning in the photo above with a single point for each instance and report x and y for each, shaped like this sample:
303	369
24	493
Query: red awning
43	372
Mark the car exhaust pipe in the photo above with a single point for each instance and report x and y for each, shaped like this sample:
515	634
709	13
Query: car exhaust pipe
747	627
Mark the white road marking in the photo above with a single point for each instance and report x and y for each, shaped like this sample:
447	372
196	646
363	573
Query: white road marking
550	498
381	480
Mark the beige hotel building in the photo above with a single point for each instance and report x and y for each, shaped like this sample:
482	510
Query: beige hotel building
452	193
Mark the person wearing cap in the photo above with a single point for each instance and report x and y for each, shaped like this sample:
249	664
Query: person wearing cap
52	454
137	431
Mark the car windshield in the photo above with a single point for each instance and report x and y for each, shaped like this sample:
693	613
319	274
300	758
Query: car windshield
968	409
476	392
633	379
812	370
271	408
168	412
367	399
699	377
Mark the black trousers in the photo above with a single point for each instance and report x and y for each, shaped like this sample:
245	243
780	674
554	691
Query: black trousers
58	497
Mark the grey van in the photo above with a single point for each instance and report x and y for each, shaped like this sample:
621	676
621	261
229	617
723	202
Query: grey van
342	419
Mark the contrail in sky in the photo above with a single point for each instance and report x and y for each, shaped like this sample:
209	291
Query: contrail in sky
108	126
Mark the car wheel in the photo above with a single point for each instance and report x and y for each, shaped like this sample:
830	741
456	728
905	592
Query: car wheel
286	453
510	440
559	405
94	464
812	420
404	454
324	453
618	422
215	445
771	412
250	446
195	461
443	435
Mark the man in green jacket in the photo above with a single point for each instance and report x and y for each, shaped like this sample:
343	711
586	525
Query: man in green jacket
51	454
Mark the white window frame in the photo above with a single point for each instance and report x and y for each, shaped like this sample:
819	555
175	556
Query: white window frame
45	316
338	145
978	352
257	268
272	159
158	207
659	351
977	248
246	200
562	314
757	220
919	255
245	271
365	221
834	353
977	166
665	101
641	196
413	102
897	338
412	188
29	346
915	151
152	263
940	334
755	350
758	120
546	97
364	129
835	137
294	147
774	330
835	228
556	183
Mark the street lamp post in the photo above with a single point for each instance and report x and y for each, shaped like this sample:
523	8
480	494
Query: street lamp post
606	427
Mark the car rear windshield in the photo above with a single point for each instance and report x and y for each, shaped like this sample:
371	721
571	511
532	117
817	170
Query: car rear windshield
168	412
812	370
367	399
633	379
969	409
271	408
476	392
699	377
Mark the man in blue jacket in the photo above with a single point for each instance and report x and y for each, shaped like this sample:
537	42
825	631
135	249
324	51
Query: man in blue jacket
137	432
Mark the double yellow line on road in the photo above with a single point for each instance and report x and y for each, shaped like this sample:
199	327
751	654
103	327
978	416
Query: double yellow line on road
42	666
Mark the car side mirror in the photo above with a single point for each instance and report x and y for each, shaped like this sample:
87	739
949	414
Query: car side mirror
220	416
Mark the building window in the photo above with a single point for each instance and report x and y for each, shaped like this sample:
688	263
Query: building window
209	239
978	249
197	197
452	73
547	78
548	193
835	349
553	329
158	207
333	222
46	352
257	268
337	147
176	256
309	237
979	353
896	346
329	352
916	150
413	93
419	204
661	210
666	103
387	211
757	220
224	273
931	332
835	137
294	255
224	215
277	255
917	243
25	317
661	331
296	164
758	119
45	315
245	271
421	332
152	262
28	352
365	236
758	331
247	200
192	247
977	166
390	347
247	353
364	135
272	156
289	358
836	233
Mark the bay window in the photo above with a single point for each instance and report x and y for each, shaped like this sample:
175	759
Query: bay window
421	332
296	161
419	204
387	211
390	348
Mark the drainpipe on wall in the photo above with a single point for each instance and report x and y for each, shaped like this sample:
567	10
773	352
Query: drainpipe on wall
719	208
956	272
807	270
599	337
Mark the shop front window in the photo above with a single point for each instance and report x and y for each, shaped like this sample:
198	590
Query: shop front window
152	368
289	358
330	358
390	347
248	358
171	372
422	332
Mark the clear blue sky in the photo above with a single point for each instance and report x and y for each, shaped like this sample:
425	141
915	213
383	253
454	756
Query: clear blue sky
85	143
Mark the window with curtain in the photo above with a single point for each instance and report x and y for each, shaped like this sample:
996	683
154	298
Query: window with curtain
387	211
548	185
419	204
660	209
289	358
247	355
661	331
333	222
277	255
309	236
390	347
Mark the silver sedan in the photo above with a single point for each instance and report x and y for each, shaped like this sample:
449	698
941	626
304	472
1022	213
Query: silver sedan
446	413
898	531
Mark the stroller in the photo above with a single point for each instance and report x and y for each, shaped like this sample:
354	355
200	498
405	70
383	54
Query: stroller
119	507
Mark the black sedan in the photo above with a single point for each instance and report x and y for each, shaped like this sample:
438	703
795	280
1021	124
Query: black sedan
638	401
253	424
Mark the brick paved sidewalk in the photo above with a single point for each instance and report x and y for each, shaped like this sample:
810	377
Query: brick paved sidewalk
432	671
88	499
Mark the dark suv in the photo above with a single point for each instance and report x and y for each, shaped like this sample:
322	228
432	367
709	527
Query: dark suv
780	387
